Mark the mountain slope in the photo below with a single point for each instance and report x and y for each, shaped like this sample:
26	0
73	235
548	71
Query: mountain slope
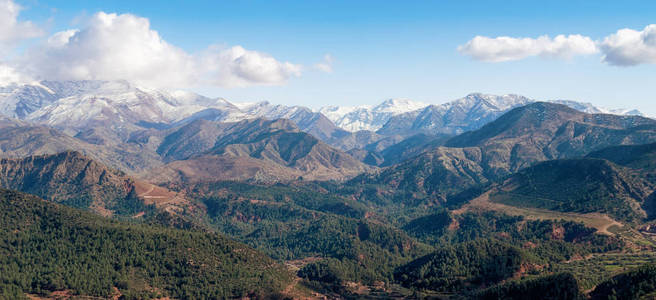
20	139
75	180
639	157
542	131
252	149
579	185
46	248
518	139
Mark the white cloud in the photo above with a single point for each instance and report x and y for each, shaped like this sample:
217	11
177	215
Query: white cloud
628	47
112	47
9	76
505	48
238	67
326	65
12	30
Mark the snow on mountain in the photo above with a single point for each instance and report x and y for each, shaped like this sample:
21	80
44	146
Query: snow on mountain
455	117
470	113
81	103
368	117
591	109
121	106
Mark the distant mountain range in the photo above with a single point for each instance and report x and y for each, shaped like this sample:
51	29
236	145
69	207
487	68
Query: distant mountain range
138	129
407	117
73	106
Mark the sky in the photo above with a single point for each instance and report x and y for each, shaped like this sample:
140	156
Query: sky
317	53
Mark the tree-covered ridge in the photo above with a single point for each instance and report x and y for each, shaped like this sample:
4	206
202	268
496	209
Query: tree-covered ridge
550	239
46	247
579	185
561	286
453	268
294	222
635	284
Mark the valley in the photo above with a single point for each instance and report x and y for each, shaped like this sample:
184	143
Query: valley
476	198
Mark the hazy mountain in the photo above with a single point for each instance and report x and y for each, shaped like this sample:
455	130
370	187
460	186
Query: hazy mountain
591	109
20	139
455	117
112	111
367	117
118	109
260	149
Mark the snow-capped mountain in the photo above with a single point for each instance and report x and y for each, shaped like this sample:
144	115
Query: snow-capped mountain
367	117
121	108
470	112
587	107
80	103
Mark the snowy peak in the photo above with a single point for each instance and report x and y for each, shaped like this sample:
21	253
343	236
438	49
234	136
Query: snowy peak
366	117
469	113
587	107
398	106
81	103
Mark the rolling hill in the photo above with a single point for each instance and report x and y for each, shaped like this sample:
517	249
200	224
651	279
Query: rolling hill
55	251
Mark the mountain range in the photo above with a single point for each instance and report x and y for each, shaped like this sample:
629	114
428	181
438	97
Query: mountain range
518	139
482	196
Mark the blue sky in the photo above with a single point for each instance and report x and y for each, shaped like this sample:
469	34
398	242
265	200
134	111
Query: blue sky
392	49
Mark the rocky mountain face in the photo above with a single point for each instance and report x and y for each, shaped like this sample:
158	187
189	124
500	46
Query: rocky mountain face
83	104
113	112
20	139
72	179
76	180
542	131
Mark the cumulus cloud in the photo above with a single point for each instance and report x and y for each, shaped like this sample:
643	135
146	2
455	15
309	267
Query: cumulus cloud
11	29
112	47
628	47
326	65
9	76
505	48
238	67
